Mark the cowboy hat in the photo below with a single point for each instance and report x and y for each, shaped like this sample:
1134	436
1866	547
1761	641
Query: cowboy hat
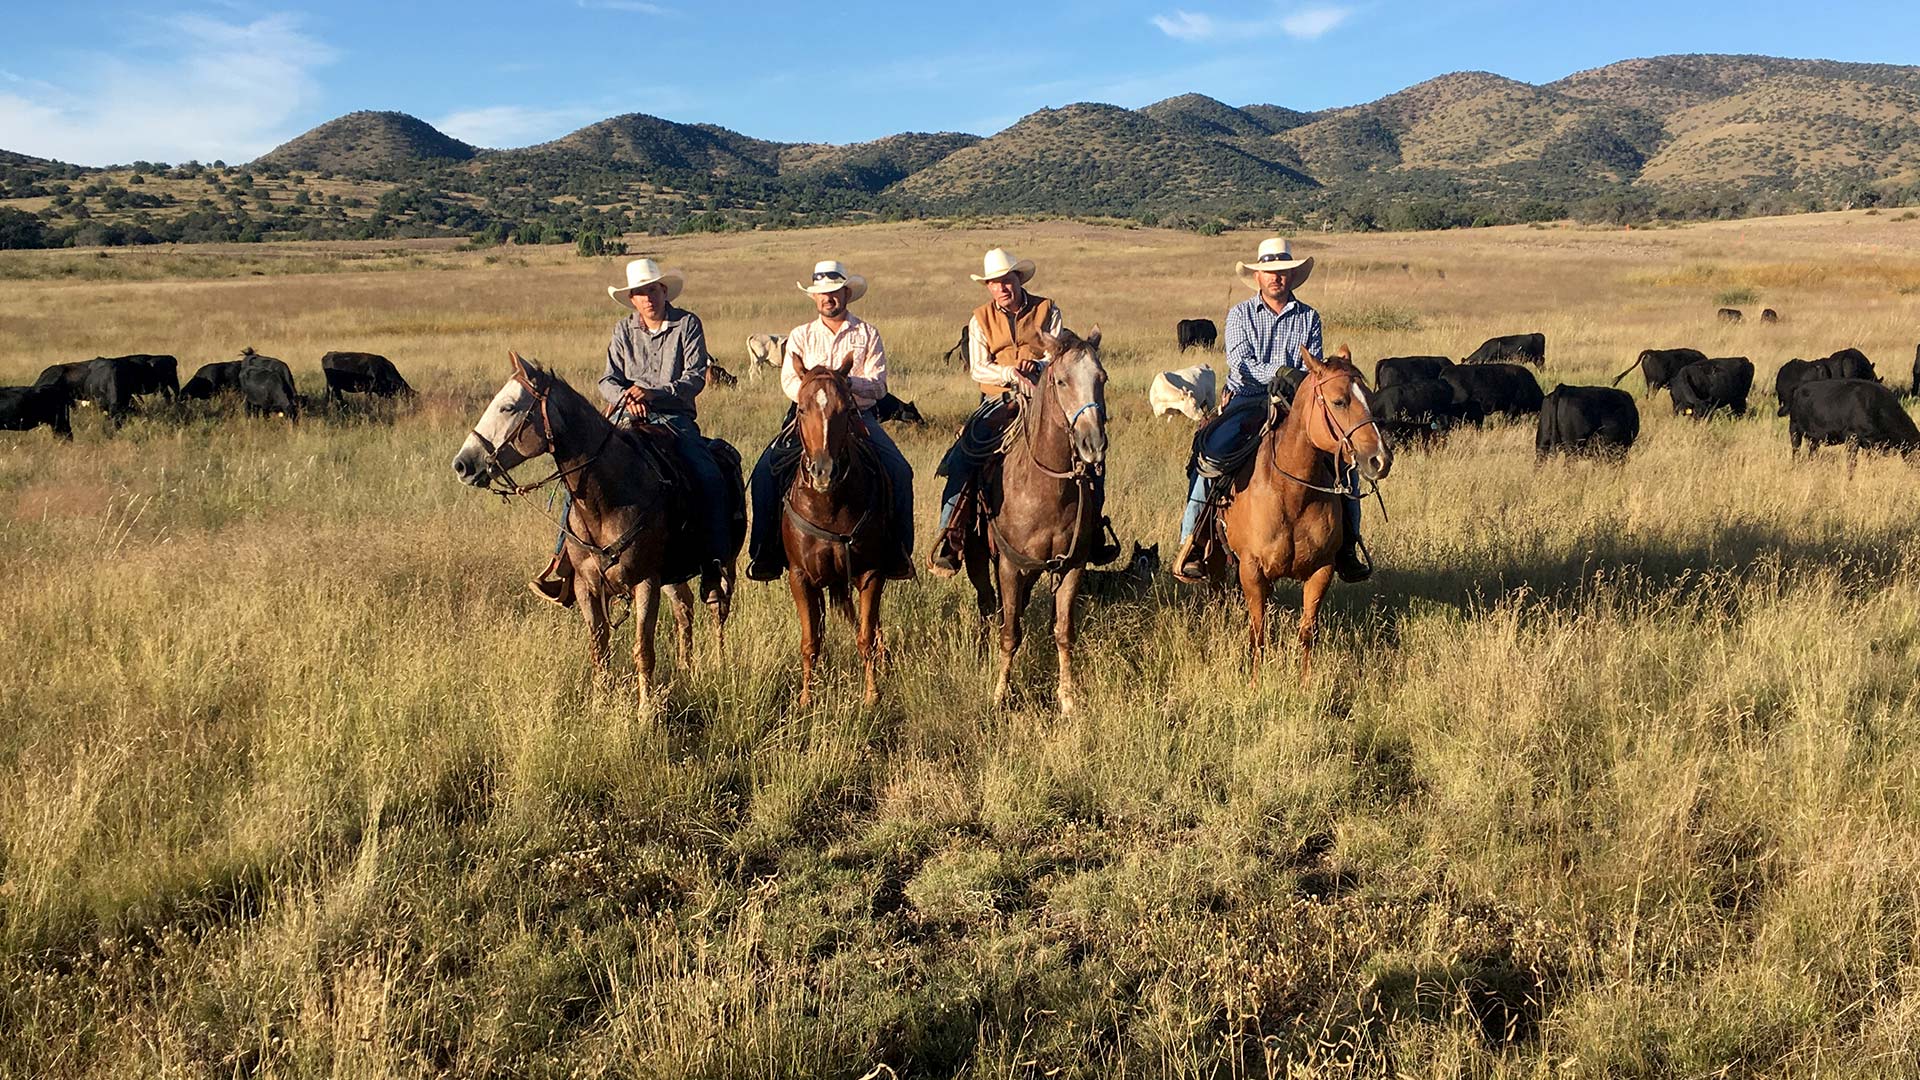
830	276
999	264
642	273
1274	254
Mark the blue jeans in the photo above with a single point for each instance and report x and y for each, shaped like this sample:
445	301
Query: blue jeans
708	499
983	428
775	469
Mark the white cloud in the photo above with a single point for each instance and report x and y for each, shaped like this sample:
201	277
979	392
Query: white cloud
214	90
1310	23
1305	24
506	126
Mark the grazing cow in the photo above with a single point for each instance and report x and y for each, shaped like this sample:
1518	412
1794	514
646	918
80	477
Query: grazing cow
1857	412
1424	409
959	348
890	408
212	379
1586	420
763	350
266	385
1845	364
1730	315
1701	389
1850	363
1525	348
721	376
23	408
1768	315
1659	365
1192	391
1405	369
1508	389
1196	333
148	373
102	381
361	373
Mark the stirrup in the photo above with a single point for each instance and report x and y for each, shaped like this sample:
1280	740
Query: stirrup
942	561
1180	561
759	571
552	589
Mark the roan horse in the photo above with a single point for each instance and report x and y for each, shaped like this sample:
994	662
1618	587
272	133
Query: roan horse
1041	511
620	529
1286	518
834	523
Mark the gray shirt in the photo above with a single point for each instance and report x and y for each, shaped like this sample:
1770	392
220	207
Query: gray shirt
672	358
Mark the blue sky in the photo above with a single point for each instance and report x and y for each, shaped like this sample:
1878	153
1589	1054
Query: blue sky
103	82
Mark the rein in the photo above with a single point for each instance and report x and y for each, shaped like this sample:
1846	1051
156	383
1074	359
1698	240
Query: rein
1343	449
1081	474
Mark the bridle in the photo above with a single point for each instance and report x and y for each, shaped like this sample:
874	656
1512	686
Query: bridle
1081	473
501	482
1343	450
1079	470
857	445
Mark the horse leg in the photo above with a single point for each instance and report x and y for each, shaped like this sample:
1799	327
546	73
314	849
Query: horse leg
868	633
1016	587
1255	587
593	608
646	620
1063	598
806	603
682	597
1311	593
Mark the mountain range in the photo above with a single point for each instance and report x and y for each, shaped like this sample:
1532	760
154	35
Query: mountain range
1764	132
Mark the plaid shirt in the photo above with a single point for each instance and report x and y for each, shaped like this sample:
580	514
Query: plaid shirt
1260	343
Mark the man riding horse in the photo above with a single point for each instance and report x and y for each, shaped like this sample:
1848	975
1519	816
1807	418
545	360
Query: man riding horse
656	366
1264	336
828	341
1005	355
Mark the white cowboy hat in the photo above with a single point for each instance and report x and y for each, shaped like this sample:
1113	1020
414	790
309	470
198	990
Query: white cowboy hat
830	276
642	273
999	264
1274	254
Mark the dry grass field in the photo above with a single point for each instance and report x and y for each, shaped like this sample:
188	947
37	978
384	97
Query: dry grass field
1610	771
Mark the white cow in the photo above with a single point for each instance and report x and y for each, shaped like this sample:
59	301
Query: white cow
764	349
1190	391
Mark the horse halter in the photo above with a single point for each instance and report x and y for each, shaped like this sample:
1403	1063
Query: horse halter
507	487
1078	469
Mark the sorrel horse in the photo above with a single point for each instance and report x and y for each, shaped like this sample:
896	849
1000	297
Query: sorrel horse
1287	518
834	522
621	526
1043	511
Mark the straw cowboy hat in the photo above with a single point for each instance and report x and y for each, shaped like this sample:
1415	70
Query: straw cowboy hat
831	276
999	264
1274	254
642	273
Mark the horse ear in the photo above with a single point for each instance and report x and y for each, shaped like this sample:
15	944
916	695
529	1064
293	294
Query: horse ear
1345	354
845	367
799	366
1093	338
1313	362
513	360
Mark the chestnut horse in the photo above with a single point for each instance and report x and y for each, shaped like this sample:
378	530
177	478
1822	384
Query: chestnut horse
1043	510
834	521
1287	517
621	526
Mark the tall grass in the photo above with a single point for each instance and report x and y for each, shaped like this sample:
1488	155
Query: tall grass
1608	772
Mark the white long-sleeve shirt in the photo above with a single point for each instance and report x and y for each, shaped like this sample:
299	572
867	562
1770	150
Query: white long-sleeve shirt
819	345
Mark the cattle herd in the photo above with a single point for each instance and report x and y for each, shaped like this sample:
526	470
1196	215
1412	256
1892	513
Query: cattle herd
1837	400
263	384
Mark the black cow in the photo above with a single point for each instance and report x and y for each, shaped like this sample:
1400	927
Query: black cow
890	408
1395	370
1727	314
23	408
1586	420
1508	389
1857	412
1424	409
1526	348
1705	387
361	373
1196	333
266	385
959	347
149	373
1659	365
1845	364
112	382
1768	315
212	379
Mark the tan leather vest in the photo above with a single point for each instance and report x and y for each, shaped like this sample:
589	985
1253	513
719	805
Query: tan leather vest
1020	341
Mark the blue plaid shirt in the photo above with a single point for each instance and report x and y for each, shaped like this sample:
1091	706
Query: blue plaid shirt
1260	343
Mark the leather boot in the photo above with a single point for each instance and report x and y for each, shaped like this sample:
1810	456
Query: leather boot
555	583
1186	564
712	587
1352	564
1107	548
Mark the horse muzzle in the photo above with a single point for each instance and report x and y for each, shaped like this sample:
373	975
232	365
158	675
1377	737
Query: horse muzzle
473	465
1377	465
819	473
